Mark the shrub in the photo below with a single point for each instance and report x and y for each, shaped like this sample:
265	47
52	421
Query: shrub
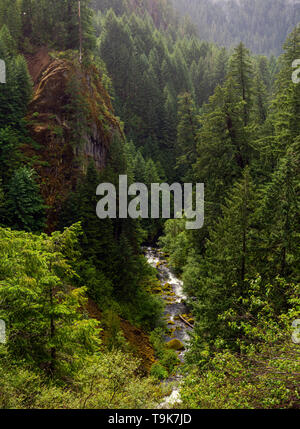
158	371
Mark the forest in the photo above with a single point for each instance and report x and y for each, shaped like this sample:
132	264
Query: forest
162	91
262	26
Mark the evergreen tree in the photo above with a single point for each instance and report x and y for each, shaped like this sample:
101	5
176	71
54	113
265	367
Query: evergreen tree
10	17
278	242
57	23
24	204
218	278
10	155
260	100
285	116
8	43
16	93
186	136
45	326
222	150
241	71
139	168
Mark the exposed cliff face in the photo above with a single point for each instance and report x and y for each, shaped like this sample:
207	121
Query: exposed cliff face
71	118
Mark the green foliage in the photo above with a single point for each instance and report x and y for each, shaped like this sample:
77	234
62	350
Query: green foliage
16	92
168	360
175	241
56	23
10	17
113	268
110	381
10	155
235	127
106	381
149	69
186	136
253	22
158	371
24	204
265	374
39	304
116	339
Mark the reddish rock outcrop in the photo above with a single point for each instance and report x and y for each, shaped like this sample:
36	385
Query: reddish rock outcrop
71	120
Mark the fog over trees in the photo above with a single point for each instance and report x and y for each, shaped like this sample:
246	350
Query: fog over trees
261	25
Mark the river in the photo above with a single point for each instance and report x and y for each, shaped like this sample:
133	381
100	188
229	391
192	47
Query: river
175	308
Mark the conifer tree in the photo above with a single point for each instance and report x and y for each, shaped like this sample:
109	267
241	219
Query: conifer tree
8	43
139	168
46	328
10	155
285	116
10	16
220	152
278	217
221	67
260	98
24	86
219	277
241	71
24	204
186	136
16	93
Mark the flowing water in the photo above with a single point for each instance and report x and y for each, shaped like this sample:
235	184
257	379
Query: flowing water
174	308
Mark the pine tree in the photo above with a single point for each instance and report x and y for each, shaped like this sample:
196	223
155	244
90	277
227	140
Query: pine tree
16	93
139	168
186	136
285	116
241	71
222	146
221	67
10	17
24	86
260	100
219	277
10	155
8	43
278	217
24	204
46	327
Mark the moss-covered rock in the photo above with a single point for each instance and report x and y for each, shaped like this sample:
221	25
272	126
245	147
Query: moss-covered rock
175	344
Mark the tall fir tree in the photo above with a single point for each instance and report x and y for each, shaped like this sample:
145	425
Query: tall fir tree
25	208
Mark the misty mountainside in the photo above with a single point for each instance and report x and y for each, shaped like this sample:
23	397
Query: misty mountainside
262	25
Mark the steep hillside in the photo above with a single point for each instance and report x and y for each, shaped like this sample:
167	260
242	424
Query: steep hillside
262	25
162	12
70	118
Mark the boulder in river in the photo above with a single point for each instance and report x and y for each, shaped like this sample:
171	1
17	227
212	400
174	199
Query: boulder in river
175	344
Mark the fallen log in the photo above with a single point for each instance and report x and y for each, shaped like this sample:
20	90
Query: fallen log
186	322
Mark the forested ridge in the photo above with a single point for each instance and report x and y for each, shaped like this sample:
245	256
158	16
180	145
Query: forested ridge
151	98
261	25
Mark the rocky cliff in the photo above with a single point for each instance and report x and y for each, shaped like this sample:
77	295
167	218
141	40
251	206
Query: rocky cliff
71	120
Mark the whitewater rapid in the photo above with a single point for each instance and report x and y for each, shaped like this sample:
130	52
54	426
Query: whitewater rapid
175	306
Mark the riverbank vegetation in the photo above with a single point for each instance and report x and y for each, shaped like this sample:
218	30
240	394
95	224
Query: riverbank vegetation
242	270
